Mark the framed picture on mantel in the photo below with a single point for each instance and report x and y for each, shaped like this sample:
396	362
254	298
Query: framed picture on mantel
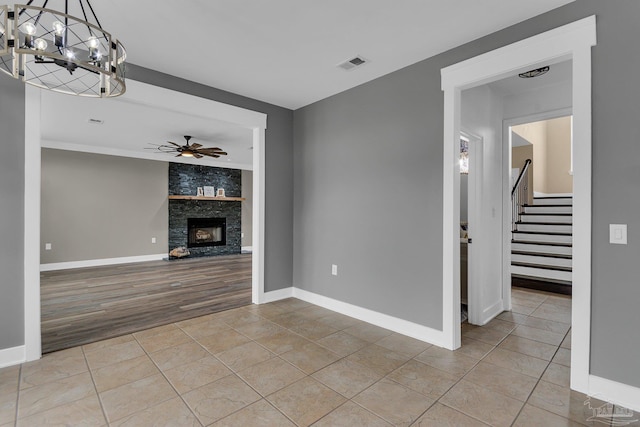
220	192
209	191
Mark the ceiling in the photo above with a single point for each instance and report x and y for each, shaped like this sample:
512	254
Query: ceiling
282	51
559	73
285	52
129	129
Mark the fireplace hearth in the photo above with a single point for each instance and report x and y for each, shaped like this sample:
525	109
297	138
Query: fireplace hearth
204	232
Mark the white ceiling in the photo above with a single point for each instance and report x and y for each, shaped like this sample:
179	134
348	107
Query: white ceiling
560	73
285	51
130	129
280	51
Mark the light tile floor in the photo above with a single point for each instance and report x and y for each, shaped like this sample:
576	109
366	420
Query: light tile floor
291	363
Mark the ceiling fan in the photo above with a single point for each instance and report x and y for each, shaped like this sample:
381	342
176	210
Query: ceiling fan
189	150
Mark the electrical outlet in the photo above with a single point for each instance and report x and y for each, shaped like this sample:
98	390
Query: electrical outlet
47	246
153	240
334	269
242	235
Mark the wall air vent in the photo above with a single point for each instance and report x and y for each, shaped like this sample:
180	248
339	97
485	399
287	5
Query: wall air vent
353	63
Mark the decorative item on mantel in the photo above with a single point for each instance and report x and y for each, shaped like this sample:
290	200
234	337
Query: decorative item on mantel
179	252
200	192
220	192
209	191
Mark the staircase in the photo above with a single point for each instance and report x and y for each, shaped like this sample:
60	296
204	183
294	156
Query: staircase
541	245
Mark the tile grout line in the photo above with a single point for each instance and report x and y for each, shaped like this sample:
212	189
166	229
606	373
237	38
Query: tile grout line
233	372
95	386
165	377
15	420
540	379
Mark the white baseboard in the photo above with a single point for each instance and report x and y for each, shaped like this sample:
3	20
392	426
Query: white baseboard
616	393
404	327
12	356
100	262
276	295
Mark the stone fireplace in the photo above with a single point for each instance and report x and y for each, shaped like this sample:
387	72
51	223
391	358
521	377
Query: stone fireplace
205	227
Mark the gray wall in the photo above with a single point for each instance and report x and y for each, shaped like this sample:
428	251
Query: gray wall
279	172
368	181
96	206
11	213
247	208
367	195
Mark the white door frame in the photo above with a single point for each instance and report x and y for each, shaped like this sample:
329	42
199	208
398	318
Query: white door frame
145	94
572	41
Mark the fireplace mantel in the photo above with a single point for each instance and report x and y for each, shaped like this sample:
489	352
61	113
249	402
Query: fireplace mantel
213	199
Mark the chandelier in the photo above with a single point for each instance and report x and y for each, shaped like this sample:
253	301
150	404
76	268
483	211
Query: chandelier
60	52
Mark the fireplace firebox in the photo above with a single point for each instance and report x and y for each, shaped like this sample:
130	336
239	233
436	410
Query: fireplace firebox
203	232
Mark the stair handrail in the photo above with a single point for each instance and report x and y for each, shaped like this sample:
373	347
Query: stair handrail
524	170
520	193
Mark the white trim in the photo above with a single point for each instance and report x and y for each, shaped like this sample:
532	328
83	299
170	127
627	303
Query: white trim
404	327
67	146
246	249
572	41
615	392
32	167
12	356
539	194
170	100
143	94
53	266
257	260
278	295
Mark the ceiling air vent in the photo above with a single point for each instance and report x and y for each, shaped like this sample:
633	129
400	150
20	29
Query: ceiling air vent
95	121
353	63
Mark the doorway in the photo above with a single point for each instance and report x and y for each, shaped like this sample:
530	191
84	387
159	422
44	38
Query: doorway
143	94
572	41
542	201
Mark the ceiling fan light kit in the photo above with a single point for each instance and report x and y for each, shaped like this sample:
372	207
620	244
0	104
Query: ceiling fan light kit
57	51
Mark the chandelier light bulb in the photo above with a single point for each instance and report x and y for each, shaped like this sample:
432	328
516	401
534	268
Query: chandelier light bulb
40	44
2	29
58	28
69	53
93	42
28	28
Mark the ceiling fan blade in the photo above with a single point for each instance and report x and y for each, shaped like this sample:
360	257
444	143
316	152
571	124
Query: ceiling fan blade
204	153
195	145
179	155
213	150
173	143
197	156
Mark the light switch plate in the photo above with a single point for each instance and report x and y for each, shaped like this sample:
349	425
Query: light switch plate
334	269
618	234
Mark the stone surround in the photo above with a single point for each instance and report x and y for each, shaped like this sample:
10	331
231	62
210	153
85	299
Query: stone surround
184	180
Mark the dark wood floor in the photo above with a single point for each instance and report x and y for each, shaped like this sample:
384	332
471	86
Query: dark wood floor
84	305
